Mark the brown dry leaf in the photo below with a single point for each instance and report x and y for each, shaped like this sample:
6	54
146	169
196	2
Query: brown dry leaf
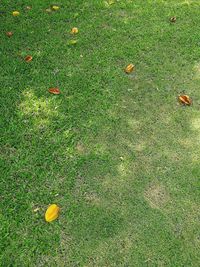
54	91
185	100
9	34
129	68
52	213
28	58
173	19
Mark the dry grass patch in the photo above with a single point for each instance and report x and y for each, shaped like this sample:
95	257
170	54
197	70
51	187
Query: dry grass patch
156	195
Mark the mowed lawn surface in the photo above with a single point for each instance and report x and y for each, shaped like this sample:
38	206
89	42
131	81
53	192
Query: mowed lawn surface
116	152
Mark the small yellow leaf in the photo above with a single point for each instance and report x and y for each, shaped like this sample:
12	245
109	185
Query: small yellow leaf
52	213
74	30
129	68
72	42
55	7
15	13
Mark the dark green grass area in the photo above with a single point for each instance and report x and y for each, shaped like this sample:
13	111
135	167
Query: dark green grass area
116	152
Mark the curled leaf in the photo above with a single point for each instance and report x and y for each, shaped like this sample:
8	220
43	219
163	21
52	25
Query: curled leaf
74	30
55	8
173	19
15	13
72	42
129	68
9	34
52	213
28	58
185	100
54	91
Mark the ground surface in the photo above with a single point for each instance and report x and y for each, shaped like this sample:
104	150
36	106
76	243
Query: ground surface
116	152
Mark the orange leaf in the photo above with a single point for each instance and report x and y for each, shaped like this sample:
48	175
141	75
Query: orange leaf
129	68
9	34
28	58
52	213
74	30
54	91
185	99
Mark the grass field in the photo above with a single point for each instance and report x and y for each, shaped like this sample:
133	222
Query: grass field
116	152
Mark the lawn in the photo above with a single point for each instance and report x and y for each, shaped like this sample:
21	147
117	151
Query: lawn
118	153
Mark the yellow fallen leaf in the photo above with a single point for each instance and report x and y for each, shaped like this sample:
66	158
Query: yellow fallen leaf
74	30
55	7
52	213
129	68
72	42
15	13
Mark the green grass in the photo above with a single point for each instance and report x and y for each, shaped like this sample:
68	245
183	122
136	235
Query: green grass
116	152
